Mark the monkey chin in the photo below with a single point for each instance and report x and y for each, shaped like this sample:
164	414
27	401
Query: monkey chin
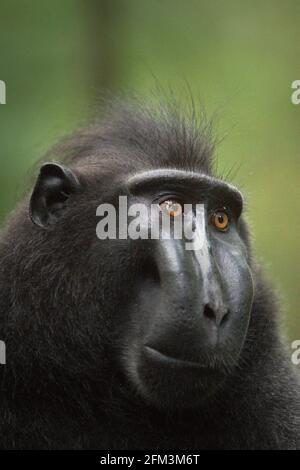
173	384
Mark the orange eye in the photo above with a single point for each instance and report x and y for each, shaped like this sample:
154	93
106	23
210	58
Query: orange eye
171	207
220	220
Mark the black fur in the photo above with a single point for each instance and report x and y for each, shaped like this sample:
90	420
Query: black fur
62	307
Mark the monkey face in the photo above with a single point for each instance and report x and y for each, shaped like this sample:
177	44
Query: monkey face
179	316
189	318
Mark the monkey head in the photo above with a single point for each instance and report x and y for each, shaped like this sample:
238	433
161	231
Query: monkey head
171	321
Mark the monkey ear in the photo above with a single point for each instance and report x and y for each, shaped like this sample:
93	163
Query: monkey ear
54	186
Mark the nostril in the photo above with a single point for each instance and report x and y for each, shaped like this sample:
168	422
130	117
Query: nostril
224	318
209	312
219	317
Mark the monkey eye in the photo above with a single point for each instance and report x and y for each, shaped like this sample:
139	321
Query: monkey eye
171	207
220	220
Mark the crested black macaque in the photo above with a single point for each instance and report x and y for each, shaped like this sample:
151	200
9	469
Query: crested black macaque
138	344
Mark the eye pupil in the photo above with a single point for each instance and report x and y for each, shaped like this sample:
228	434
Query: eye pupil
171	207
220	220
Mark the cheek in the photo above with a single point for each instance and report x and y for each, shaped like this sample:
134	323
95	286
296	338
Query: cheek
235	271
238	287
237	279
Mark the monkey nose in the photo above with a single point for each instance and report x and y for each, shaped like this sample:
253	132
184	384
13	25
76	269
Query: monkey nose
217	315
189	335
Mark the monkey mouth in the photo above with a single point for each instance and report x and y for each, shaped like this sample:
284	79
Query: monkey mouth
173	362
173	383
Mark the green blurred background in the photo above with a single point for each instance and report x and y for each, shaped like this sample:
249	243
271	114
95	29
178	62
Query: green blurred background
239	57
